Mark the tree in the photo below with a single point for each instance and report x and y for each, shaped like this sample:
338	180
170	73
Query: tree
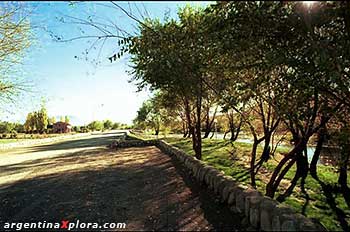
210	102
301	70
42	120
30	124
116	125
173	57
234	121
37	121
95	126
142	114
273	67
149	115
107	124
66	119
16	38
305	104
6	127
51	120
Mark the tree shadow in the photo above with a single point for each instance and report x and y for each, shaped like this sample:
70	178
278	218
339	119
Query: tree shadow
139	186
307	199
216	212
103	140
328	191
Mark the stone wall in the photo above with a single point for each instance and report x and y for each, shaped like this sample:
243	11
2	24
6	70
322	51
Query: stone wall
132	143
261	212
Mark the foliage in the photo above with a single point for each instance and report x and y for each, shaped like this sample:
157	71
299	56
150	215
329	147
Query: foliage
107	124
8	127
95	125
272	67
104	125
218	153
16	38
66	119
51	120
116	125
37	121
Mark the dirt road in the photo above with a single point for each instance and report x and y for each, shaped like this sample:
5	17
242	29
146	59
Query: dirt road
83	180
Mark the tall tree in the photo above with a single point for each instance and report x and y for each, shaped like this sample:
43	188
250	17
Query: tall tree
107	124
16	38
169	56
66	119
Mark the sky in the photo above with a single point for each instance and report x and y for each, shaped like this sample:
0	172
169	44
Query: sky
67	82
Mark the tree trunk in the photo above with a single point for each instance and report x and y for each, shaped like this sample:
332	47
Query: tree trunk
207	132
275	180
277	177
232	130
188	118
184	129
301	172
197	138
225	134
252	163
289	191
266	151
316	156
343	169
197	141
190	132
235	131
207	126
185	134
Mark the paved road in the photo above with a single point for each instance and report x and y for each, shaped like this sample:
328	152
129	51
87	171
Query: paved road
83	180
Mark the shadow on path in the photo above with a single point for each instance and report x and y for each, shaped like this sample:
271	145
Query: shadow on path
100	140
138	186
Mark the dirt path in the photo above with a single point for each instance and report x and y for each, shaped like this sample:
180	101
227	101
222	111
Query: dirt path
138	186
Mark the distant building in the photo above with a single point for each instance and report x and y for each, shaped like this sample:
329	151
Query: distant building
61	127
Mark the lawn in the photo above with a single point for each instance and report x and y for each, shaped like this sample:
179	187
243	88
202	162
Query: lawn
5	138
5	141
234	159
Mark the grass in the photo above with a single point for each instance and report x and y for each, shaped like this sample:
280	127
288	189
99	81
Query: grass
5	141
23	137
233	160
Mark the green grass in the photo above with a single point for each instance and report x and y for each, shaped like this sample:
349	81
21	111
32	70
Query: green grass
218	153
5	141
25	137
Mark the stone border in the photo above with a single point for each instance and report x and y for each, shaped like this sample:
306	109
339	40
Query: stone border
132	143
261	212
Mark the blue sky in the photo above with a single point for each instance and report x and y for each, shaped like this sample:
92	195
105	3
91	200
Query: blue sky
72	86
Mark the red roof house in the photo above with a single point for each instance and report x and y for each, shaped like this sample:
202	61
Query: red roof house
61	127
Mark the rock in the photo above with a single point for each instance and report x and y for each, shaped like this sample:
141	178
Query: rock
240	204
207	175
219	180
276	225
283	214
229	187
252	209
202	173
261	213
215	179
288	224
266	213
254	218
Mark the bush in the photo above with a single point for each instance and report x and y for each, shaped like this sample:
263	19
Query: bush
13	135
